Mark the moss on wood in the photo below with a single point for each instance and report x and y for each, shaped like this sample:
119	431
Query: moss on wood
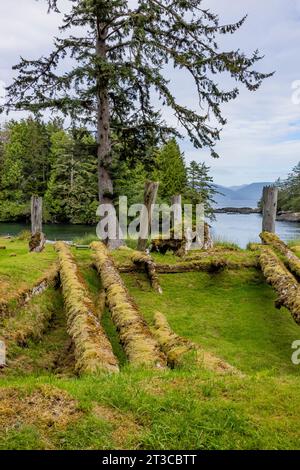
139	343
290	259
93	351
147	263
285	284
180	351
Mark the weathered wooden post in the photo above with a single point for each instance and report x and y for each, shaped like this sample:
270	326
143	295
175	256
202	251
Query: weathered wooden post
2	354
150	194
37	241
270	197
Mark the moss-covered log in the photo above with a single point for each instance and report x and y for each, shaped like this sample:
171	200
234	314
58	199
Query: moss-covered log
146	262
139	343
291	260
283	282
21	297
180	351
210	264
93	351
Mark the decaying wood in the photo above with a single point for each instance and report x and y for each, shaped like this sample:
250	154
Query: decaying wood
146	262
139	343
209	263
93	351
150	194
38	240
183	245
290	259
285	284
270	197
181	351
50	278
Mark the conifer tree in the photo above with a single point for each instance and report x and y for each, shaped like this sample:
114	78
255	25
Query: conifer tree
170	170
200	187
117	60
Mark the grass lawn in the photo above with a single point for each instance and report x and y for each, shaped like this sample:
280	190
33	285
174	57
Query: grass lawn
231	314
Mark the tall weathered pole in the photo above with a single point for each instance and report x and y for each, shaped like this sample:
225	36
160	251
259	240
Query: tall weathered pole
150	194
270	197
37	241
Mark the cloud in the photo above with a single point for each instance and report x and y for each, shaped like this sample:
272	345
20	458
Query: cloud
262	138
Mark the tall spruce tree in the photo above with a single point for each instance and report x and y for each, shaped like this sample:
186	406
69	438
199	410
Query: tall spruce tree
118	59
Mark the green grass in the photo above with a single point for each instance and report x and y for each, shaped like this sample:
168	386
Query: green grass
231	314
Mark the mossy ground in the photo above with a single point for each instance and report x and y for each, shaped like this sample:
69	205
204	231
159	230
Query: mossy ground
230	313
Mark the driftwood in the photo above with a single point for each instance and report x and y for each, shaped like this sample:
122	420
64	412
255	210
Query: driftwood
285	284
291	260
180	351
146	262
139	344
93	351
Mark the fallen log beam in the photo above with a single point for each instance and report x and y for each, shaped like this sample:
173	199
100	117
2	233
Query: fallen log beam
285	284
290	259
139	344
93	351
180	351
50	278
145	261
210	264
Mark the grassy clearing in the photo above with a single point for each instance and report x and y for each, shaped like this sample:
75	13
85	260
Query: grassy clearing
231	314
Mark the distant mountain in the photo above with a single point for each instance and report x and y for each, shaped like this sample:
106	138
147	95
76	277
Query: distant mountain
246	195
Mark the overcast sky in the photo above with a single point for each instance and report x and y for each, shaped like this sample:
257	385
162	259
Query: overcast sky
261	141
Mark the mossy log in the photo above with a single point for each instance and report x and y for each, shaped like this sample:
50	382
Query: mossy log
180	351
180	247
211	264
285	284
147	263
139	343
291	260
93	351
21	297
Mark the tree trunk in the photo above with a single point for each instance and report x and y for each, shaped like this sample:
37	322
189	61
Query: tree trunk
150	195
37	241
105	184
270	196
2	354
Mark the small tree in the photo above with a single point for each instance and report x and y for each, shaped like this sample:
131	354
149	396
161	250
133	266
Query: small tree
170	170
117	62
200	187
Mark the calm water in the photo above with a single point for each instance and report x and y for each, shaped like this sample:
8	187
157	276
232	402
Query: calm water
53	232
242	228
237	228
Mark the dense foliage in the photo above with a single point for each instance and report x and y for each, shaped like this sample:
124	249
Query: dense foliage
289	191
61	166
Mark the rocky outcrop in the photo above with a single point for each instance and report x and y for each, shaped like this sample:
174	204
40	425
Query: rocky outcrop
237	210
288	216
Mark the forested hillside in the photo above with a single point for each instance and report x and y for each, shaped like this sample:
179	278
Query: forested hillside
44	159
289	191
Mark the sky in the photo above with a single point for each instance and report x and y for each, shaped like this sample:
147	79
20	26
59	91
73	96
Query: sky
261	141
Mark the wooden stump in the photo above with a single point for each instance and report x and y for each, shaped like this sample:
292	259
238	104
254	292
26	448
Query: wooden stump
150	195
38	240
270	196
